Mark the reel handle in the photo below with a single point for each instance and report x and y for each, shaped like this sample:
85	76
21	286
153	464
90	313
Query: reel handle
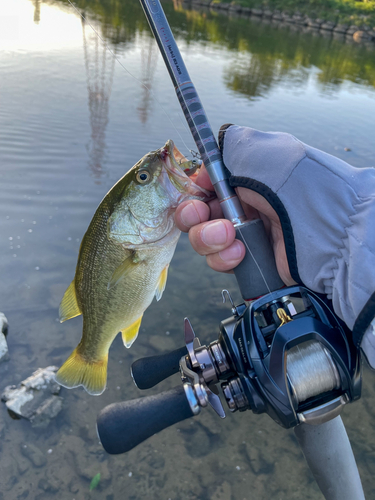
147	372
123	426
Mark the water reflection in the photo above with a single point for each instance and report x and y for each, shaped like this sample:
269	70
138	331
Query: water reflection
100	67
149	59
263	53
37	11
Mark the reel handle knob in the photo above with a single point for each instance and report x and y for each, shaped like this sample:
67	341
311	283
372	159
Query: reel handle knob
122	426
147	372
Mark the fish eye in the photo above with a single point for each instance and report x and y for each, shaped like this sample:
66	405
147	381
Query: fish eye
143	176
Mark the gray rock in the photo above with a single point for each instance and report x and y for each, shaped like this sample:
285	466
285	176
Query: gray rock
286	17
34	454
257	12
235	8
48	410
246	10
298	19
341	28
277	16
339	36
48	485
35	398
352	29
4	325
314	23
328	26
23	465
4	354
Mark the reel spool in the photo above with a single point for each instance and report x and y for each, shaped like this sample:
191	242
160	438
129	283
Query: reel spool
311	371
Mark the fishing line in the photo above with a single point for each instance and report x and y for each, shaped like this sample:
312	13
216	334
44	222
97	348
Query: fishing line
254	259
107	47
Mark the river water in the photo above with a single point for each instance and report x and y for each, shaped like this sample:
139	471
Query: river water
72	122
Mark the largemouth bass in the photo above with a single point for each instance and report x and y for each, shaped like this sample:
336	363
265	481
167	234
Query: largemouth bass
123	262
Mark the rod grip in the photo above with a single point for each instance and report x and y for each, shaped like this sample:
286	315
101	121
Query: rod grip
257	273
147	372
122	426
330	457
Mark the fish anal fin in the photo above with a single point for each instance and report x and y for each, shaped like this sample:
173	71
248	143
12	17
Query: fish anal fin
130	333
122	270
77	371
161	283
69	307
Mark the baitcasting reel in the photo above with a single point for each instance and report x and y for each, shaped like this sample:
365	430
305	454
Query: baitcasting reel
285	354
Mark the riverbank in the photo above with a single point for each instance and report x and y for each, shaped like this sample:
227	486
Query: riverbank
355	22
350	12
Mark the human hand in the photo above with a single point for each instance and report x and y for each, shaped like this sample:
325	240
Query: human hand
318	212
214	237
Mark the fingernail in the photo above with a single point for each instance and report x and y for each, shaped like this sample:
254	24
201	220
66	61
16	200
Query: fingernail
189	215
214	233
234	252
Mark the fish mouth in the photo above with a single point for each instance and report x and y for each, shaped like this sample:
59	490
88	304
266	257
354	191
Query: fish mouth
182	179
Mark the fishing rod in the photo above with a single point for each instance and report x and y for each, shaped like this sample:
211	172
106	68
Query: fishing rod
266	351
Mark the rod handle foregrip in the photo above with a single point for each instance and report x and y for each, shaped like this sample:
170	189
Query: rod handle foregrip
257	273
147	372
123	426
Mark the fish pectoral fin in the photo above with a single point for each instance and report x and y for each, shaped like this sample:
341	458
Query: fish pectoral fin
69	307
130	333
77	371
161	283
122	270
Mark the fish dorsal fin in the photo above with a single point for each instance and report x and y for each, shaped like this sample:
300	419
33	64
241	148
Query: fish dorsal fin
122	270
69	307
161	283
130	333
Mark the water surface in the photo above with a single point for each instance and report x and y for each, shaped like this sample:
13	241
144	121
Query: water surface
72	122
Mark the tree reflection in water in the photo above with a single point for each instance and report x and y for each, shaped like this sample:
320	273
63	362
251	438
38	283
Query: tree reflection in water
263	54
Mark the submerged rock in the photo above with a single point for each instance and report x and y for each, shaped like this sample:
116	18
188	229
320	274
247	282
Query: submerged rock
34	454
35	398
4	355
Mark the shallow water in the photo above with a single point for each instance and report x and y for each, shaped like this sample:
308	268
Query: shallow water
71	123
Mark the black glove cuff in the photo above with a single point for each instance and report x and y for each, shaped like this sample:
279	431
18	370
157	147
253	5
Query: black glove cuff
274	201
364	320
222	131
279	208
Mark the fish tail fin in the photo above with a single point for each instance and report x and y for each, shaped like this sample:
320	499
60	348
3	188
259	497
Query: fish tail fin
77	371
